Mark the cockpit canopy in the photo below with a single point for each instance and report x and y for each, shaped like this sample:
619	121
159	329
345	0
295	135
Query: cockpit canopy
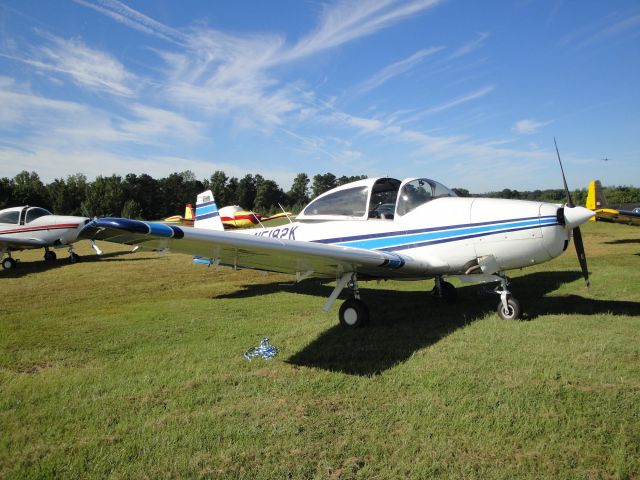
22	215
381	198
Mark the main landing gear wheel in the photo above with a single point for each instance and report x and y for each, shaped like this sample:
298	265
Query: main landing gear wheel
49	256
353	313
8	263
512	311
74	257
447	293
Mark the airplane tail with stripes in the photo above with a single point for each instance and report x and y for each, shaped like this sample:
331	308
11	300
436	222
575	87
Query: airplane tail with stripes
207	215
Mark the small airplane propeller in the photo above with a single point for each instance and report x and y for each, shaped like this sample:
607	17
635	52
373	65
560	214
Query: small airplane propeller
577	235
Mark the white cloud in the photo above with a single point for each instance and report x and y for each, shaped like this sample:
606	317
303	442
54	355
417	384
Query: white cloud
397	68
528	126
451	103
346	21
129	17
87	67
471	46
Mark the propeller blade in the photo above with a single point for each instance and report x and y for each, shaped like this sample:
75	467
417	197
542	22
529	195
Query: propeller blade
582	258
566	188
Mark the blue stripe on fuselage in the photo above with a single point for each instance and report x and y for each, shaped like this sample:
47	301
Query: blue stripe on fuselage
390	241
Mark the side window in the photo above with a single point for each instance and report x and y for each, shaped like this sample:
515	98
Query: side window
10	217
351	202
34	213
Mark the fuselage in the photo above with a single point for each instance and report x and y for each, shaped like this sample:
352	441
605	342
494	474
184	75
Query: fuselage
34	223
447	235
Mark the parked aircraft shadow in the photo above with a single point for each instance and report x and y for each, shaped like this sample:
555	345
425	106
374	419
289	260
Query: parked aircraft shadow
26	268
623	241
405	322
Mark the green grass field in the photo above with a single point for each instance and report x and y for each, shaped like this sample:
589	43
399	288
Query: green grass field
131	366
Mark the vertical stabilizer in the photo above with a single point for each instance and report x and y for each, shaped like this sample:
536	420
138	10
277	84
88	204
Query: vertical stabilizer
188	212
595	196
207	215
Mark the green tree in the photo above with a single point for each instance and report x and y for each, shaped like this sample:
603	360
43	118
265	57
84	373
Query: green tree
29	190
6	193
246	192
218	186
132	209
67	196
299	194
105	197
461	192
268	196
323	183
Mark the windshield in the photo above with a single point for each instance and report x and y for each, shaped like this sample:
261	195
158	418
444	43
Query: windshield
36	212
418	192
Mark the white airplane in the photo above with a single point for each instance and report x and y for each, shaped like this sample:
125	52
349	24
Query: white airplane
348	233
27	227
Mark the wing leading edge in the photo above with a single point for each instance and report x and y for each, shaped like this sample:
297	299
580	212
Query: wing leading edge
256	252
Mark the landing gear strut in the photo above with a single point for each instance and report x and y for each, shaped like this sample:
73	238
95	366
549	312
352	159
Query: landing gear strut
73	256
509	307
353	312
444	291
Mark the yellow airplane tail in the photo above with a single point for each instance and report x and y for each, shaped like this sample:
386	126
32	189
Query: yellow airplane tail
595	197
188	212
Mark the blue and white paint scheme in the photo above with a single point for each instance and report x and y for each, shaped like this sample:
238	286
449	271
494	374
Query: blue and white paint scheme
378	228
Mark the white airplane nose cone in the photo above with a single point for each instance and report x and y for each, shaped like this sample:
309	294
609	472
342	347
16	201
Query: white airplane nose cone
576	216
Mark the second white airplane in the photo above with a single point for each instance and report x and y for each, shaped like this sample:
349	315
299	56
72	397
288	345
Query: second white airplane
23	228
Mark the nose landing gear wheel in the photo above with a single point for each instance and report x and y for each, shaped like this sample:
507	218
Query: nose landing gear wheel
74	257
512	312
49	256
353	313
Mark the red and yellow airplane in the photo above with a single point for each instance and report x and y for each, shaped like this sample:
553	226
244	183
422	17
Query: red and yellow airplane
232	217
597	202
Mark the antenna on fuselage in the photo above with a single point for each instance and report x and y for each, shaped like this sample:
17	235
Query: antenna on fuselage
256	217
285	213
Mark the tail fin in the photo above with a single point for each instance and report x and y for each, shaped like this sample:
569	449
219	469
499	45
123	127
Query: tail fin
207	215
188	212
595	196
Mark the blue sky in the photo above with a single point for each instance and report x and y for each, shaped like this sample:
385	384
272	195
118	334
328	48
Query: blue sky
469	93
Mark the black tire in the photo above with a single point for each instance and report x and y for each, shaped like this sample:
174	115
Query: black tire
74	257
353	313
512	312
49	256
8	263
447	294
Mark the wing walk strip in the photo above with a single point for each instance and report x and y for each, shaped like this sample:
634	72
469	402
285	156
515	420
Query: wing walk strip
393	241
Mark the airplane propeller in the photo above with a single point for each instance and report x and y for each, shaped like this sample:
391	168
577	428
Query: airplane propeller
574	216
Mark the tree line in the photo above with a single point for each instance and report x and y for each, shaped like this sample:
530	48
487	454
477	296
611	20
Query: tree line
142	196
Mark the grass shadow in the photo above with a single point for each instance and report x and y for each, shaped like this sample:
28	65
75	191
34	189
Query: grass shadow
404	322
30	267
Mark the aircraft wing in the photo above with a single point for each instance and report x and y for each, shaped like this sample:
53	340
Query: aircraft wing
256	252
617	216
19	243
